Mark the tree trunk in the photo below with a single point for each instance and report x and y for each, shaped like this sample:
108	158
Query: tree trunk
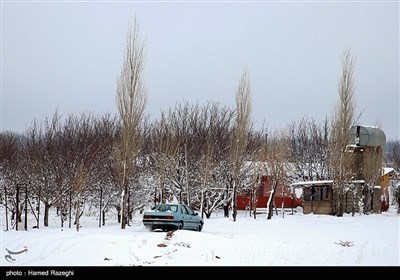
338	201
270	207
46	214
187	176
100	208
78	203
5	201
398	201
70	208
124	201
353	200
254	199
17	208
128	210
367	200
20	215
270	203
234	202
38	208
226	210
26	207
202	203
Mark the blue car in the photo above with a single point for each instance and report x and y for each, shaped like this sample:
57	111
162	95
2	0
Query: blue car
172	217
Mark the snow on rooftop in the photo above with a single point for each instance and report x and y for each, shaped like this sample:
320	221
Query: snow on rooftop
320	182
387	170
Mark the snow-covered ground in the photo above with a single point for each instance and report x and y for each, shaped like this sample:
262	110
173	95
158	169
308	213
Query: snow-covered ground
299	240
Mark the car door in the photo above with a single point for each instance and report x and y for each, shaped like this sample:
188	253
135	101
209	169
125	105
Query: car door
192	222
185	217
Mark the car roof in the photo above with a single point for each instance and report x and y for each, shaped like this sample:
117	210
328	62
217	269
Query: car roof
171	204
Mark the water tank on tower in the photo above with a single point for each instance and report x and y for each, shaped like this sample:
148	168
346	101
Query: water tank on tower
362	136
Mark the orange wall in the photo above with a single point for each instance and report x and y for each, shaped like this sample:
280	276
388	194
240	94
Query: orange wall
385	186
385	181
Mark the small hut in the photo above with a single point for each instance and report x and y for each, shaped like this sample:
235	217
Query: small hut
317	196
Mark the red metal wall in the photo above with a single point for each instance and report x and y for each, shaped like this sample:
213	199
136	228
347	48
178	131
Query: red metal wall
282	194
243	202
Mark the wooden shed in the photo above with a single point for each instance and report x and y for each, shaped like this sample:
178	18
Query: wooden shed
317	196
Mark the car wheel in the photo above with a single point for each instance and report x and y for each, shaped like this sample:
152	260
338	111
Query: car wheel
180	225
200	227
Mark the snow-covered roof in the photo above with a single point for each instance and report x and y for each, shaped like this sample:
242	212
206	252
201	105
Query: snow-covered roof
291	170
315	183
358	182
321	183
387	170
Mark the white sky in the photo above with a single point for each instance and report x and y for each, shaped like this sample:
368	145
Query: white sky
67	55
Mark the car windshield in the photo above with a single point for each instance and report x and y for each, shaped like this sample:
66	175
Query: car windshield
166	208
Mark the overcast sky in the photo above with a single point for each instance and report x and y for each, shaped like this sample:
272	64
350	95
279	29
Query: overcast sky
68	55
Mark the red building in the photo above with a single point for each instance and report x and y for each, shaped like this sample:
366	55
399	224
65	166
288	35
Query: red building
283	195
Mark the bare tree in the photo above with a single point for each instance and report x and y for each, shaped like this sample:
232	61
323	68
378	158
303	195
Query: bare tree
277	165
79	184
309	142
242	128
10	157
34	153
47	155
392	154
186	124
179	141
371	169
206	170
165	157
259	169
217	132
392	158
83	146
340	162
105	190
131	101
